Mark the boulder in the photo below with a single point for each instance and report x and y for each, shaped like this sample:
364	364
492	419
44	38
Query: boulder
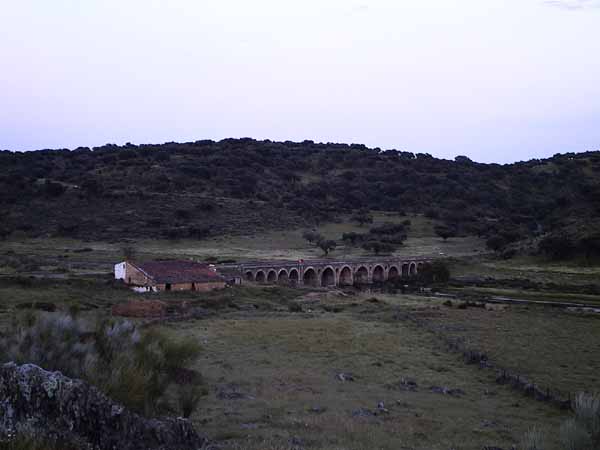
55	408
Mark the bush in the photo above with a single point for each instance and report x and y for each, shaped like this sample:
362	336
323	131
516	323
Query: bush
532	440
574	437
581	432
557	246
378	247
134	368
496	243
436	272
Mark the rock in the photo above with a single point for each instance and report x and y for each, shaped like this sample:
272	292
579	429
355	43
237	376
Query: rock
405	384
362	412
55	408
317	409
231	392
342	376
381	408
447	391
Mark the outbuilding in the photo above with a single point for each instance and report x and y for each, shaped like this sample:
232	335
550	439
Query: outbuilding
169	275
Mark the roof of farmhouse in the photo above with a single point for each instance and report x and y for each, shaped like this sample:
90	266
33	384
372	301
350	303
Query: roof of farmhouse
176	271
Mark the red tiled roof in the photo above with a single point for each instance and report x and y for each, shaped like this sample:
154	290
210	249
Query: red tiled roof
179	272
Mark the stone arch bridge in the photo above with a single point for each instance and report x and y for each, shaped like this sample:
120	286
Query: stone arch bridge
326	272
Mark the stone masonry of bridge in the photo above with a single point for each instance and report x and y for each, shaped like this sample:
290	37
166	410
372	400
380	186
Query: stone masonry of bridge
326	272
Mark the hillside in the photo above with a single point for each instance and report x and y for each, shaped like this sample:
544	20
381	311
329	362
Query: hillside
234	186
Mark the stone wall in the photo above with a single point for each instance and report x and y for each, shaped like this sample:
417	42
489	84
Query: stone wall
202	287
50	406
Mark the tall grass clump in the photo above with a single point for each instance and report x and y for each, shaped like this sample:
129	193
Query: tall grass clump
580	432
142	370
532	440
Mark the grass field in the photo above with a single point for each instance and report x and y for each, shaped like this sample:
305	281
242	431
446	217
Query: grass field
273	373
275	383
61	257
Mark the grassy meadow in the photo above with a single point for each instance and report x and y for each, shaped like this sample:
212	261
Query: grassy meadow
310	368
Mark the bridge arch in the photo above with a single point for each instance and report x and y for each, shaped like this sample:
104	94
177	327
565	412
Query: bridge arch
249	275
412	270
283	277
293	276
271	276
260	277
328	277
309	277
404	270
378	274
393	273
345	277
361	276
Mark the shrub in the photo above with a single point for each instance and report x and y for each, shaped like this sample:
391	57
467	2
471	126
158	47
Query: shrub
378	247
532	440
581	432
587	413
362	218
312	236
436	272
574	437
137	369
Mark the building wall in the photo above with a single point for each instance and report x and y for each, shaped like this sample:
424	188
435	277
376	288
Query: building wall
135	276
120	271
202	287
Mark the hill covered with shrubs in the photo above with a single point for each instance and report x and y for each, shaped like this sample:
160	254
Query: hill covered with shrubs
206	188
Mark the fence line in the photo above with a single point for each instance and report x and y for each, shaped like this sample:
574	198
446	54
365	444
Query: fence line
517	381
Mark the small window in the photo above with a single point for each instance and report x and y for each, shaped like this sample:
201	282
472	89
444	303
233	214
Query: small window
168	287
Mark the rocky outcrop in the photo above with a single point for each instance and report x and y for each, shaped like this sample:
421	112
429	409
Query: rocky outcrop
49	405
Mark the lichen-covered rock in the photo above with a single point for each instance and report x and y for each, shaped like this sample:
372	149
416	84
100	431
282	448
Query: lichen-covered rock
36	402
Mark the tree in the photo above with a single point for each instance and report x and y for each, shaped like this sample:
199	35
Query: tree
557	246
128	252
496	242
363	217
312	236
436	272
54	189
378	247
326	245
444	232
352	238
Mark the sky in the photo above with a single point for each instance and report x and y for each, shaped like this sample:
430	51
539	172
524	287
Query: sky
495	80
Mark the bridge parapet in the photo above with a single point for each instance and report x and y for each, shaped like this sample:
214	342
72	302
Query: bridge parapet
327	272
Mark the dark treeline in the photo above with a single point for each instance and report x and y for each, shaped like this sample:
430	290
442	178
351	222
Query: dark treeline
203	188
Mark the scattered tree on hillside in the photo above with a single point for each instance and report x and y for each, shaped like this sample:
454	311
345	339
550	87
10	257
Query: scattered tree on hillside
444	231
352	237
129	252
312	237
326	245
496	242
363	217
378	247
557	246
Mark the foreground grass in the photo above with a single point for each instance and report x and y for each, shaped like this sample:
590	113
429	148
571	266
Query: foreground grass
553	347
274	379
